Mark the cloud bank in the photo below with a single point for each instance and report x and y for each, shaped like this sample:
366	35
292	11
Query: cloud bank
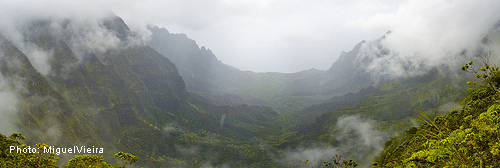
427	34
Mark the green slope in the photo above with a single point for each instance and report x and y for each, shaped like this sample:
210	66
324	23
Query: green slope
43	108
132	99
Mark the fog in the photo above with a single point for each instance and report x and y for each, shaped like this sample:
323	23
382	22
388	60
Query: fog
429	34
8	102
83	35
22	23
358	138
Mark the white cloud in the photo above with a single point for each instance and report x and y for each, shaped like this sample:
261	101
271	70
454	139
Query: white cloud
8	102
39	58
427	34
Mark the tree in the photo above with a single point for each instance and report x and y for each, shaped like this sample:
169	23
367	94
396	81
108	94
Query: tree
490	74
337	162
29	157
125	158
88	161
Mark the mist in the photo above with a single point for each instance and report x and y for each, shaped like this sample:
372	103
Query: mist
8	102
429	34
25	23
11	89
78	24
358	138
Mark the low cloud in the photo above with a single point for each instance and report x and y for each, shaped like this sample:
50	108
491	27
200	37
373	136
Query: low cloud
38	57
428	34
358	139
171	128
8	103
222	118
90	37
32	26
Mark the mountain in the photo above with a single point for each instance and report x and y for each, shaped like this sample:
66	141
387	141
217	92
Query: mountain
201	70
342	77
124	96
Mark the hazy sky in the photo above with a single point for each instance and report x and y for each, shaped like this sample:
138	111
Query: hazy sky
267	35
284	35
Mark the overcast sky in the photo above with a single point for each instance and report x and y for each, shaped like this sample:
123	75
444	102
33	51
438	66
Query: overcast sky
285	35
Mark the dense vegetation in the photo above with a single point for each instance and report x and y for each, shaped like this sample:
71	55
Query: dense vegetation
466	138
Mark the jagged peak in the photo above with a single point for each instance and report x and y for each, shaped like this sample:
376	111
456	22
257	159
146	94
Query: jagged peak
348	56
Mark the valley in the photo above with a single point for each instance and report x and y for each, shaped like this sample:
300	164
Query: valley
172	103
